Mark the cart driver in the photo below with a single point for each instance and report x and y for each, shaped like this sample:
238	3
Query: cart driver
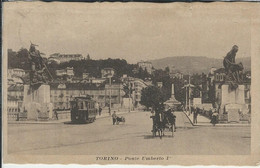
114	117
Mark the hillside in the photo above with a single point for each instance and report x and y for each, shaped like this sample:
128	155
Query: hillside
195	64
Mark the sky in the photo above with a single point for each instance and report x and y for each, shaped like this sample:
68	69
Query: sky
131	31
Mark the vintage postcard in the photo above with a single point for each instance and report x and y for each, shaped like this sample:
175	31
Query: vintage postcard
131	83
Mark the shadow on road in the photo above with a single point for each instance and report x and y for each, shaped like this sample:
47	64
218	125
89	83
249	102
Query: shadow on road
154	137
76	123
148	136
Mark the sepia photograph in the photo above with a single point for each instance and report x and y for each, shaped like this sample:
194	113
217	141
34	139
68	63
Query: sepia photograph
128	83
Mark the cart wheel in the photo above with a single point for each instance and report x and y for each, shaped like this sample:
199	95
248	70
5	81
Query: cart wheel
160	134
154	133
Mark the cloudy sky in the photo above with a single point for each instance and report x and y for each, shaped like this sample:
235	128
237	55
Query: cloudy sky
132	31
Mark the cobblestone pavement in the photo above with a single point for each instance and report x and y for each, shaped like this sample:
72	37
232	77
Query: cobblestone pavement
132	137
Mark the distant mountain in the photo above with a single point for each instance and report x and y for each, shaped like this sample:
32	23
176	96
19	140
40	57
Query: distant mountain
195	64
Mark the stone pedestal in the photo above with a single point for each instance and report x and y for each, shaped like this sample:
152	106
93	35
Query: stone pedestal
232	102
37	103
232	97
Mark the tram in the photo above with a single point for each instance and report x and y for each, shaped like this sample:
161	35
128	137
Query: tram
83	110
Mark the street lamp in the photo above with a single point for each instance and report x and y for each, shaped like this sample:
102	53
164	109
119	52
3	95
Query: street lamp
109	76
188	93
129	95
109	95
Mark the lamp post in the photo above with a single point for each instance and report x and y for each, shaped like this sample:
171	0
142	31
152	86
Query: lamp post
129	95
188	93
110	95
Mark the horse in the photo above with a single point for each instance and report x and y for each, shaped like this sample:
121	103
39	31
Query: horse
159	125
169	121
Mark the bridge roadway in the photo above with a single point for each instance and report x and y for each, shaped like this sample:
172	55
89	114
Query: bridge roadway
133	137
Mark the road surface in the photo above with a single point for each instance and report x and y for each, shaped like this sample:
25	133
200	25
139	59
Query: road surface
132	138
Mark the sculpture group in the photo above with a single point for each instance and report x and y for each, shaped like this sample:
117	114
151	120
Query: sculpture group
39	73
234	71
36	104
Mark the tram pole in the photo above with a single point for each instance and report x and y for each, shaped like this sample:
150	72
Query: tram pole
129	94
109	95
189	96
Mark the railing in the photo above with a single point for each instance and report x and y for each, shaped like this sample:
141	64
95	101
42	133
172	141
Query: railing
16	116
62	115
12	116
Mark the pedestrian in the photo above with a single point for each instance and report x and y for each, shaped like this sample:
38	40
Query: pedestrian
214	117
114	117
196	113
56	114
153	118
174	121
99	110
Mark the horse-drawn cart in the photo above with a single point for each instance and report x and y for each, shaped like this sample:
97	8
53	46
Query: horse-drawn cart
163	122
120	119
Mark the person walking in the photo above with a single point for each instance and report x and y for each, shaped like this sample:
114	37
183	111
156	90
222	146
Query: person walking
214	118
99	110
153	118
56	114
114	117
195	116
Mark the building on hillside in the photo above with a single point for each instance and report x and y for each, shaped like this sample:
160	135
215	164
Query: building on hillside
16	91
211	74
107	72
211	86
145	65
219	75
60	58
205	88
67	73
174	73
208	86
61	94
14	98
247	83
135	86
212	70
138	85
15	72
13	104
15	75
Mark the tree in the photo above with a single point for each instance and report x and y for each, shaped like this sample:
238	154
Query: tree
167	69
152	97
178	89
88	57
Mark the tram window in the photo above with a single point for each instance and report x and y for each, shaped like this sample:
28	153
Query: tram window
86	105
80	105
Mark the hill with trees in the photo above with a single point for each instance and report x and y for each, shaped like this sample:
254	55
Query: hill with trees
93	67
195	64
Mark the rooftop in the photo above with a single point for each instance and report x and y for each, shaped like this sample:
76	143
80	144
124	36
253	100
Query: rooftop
77	86
16	88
